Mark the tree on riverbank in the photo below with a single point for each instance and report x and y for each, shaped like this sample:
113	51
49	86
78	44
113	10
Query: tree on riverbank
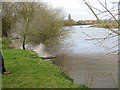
31	22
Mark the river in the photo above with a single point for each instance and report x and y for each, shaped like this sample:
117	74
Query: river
87	60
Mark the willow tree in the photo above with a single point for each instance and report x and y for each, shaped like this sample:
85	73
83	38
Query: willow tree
37	21
14	12
27	13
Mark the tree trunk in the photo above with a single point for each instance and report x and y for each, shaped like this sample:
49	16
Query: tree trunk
24	44
24	36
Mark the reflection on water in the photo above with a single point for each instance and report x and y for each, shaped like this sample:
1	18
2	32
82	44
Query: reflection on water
85	59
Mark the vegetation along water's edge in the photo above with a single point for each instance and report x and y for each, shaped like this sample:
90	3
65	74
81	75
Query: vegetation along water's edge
111	25
30	71
102	26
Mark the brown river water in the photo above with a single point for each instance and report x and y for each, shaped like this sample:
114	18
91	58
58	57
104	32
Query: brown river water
88	61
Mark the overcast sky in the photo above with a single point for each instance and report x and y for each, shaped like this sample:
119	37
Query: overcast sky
77	8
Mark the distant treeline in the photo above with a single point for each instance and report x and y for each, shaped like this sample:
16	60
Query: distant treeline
111	23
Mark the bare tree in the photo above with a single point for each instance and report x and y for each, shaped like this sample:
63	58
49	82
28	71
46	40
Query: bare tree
37	22
107	10
109	13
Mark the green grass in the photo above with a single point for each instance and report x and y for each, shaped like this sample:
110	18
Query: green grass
30	71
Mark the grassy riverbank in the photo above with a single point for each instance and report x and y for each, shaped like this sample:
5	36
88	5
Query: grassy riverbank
30	71
111	25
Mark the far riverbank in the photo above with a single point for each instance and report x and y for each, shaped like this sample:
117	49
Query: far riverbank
102	26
